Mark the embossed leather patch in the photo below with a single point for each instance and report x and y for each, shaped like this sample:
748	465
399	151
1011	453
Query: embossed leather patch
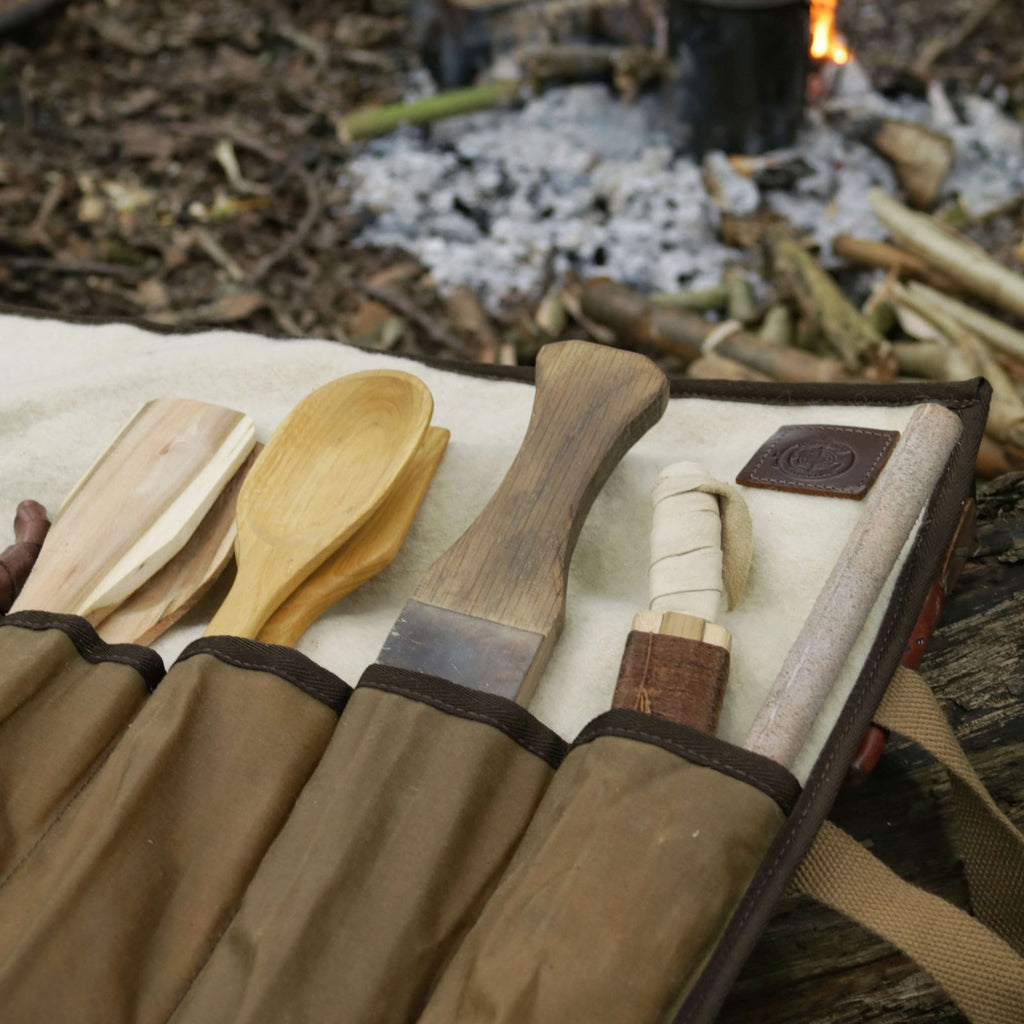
817	459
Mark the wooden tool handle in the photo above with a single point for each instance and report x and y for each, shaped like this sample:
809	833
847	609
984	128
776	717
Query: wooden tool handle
591	405
817	656
686	544
676	661
30	528
676	667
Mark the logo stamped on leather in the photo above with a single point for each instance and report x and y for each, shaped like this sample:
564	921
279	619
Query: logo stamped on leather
841	462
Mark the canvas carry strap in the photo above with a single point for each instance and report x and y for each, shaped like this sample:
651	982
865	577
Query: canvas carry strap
972	958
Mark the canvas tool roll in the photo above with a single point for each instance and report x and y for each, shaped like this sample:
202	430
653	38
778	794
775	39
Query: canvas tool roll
638	855
114	909
394	845
65	698
229	849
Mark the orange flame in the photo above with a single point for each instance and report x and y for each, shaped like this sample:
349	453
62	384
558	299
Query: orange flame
826	42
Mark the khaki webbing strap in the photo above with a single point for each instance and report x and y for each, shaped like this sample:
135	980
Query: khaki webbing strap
992	848
979	972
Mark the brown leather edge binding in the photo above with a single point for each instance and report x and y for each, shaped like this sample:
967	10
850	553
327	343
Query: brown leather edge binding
698	748
87	642
505	715
303	673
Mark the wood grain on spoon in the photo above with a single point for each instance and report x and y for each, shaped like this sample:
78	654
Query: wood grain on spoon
327	468
172	591
371	549
137	505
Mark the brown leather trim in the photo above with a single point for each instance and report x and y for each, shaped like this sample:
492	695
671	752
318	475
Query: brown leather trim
284	662
698	748
508	717
87	642
924	564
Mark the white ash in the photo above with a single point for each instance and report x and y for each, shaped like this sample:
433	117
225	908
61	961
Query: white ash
577	180
988	144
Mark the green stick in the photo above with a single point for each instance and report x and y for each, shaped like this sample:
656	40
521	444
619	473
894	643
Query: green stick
370	122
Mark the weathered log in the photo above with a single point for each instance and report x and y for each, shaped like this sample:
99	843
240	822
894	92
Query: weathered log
951	253
635	320
815	967
849	332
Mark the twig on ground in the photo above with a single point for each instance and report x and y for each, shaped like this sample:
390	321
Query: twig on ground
401	305
370	122
64	266
939	45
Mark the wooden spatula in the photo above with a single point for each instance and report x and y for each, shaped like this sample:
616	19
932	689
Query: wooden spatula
489	610
167	595
327	468
137	505
364	555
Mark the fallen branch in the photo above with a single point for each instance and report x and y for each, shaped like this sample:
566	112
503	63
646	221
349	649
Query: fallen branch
847	330
999	335
717	367
1006	411
636	320
959	258
933	360
702	300
371	122
628	68
888	257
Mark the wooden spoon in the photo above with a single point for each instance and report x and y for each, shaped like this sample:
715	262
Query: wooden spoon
137	505
167	595
326	469
365	554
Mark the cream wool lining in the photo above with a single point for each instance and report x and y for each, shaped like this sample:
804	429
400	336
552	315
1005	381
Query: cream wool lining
69	388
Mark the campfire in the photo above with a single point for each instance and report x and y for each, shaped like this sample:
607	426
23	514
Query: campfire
826	41
698	220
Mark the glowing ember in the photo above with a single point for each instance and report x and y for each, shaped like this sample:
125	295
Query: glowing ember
826	42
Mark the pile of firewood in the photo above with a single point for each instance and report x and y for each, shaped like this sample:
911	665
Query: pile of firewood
921	321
